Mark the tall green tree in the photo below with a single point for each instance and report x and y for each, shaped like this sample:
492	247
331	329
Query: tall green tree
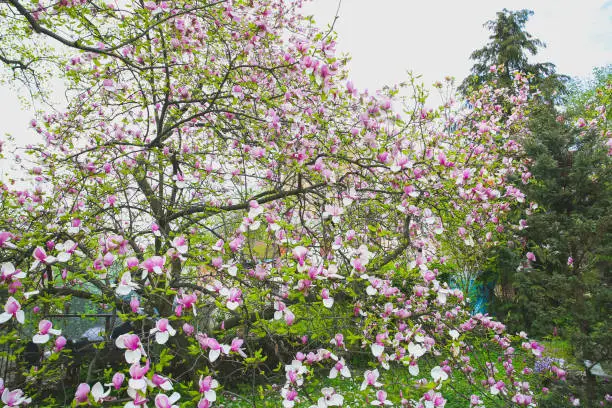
508	51
569	285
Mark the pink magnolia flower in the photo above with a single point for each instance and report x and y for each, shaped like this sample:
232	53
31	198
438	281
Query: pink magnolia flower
204	403
234	297
299	254
289	317
153	7
44	328
433	399
237	91
60	343
75	224
163	401
188	329
207	387
139	400
236	243
108	259
132	262
536	348
8	272
333	211
498	387
66	249
117	381
108	84
82	393
413	368
338	340
12	308
381	398
218	246
236	347
328	301
350	88
134	304
162	331
161	382
138	382
377	348
153	264
524	400
212	344
40	256
370	377
279	308
180	244
187	300
295	372
5	237
289	397
14	398
531	256
438	374
132	343
340	367
110	201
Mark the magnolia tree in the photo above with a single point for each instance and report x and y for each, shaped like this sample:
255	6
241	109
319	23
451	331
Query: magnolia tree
218	186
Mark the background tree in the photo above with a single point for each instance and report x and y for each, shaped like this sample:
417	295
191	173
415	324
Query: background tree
568	287
509	51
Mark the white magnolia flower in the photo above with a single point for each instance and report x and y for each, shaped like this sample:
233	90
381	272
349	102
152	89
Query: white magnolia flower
329	398
416	350
377	349
126	286
438	374
98	393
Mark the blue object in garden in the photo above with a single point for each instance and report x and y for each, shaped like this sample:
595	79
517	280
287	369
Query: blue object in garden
478	294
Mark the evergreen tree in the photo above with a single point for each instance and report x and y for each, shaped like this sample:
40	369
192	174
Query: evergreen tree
507	52
569	285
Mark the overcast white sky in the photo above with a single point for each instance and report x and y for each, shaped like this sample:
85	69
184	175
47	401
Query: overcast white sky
432	37
436	37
